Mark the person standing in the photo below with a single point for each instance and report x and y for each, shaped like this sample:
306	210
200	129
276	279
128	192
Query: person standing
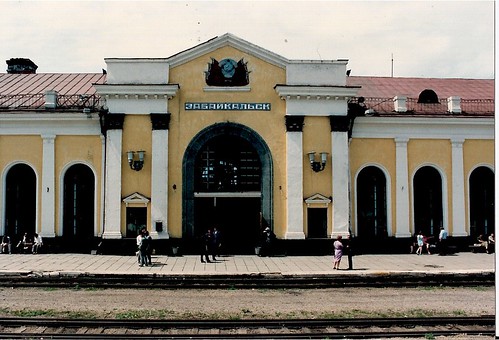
217	243
349	250
6	245
139	243
338	252
442	239
148	247
143	248
206	242
37	243
420	242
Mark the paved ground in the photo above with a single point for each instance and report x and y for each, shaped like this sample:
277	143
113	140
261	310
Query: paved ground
47	264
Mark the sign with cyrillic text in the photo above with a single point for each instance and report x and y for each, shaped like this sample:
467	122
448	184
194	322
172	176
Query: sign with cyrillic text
228	106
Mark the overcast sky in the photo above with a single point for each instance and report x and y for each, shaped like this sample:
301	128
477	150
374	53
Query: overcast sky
427	38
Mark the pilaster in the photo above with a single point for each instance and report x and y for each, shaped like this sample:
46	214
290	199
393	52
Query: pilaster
340	175
159	175
48	187
402	188
458	205
294	183
112	217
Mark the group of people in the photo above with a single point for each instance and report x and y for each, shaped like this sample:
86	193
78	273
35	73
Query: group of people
341	247
27	244
211	244
144	248
422	241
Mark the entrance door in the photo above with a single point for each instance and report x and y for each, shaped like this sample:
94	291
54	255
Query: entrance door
237	219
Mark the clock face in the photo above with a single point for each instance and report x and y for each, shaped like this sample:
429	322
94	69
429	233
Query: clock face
228	67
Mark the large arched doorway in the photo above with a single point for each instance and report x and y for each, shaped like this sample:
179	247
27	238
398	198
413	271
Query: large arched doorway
227	184
20	202
78	211
428	209
371	204
482	193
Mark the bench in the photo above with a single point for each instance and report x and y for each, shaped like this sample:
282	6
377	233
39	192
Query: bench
477	248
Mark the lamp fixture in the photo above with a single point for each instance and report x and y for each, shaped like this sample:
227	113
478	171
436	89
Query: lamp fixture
136	164
317	166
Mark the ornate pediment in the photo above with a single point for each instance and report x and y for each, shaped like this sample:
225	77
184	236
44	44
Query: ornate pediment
136	199
318	200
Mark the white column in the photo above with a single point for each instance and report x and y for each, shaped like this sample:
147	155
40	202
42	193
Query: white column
402	188
341	197
112	217
159	183
48	187
102	188
294	185
458	205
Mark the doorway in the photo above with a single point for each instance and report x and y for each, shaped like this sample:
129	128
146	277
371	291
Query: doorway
237	219
20	202
227	181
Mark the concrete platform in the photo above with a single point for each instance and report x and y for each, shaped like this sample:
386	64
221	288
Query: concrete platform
407	264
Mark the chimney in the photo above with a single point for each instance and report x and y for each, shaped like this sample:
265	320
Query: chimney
400	103
21	66
51	99
454	104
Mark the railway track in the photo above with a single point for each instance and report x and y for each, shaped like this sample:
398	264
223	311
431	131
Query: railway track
379	328
250	281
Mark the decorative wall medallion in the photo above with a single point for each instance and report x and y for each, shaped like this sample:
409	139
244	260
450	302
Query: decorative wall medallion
227	72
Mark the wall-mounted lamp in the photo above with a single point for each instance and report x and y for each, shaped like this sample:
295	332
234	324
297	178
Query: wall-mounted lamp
317	166
135	164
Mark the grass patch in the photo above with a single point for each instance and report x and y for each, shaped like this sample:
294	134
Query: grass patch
244	314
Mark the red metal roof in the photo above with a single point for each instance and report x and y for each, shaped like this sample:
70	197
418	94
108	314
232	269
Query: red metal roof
38	83
387	87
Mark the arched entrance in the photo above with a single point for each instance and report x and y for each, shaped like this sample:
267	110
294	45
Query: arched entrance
227	184
481	202
20	202
371	204
78	211
428	209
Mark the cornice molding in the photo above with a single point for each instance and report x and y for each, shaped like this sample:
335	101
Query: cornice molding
424	128
304	92
136	91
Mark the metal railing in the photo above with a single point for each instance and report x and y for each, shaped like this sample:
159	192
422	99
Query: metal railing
37	101
468	106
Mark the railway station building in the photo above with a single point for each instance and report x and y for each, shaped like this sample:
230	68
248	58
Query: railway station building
230	135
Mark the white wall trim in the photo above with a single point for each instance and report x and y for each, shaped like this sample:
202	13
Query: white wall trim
49	123
423	128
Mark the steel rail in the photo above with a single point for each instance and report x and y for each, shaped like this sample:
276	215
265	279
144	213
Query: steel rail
365	328
248	281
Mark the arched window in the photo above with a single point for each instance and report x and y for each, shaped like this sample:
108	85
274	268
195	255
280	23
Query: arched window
20	201
481	202
78	214
371	203
428	97
428	210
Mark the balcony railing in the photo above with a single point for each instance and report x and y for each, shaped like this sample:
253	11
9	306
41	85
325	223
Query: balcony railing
37	101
